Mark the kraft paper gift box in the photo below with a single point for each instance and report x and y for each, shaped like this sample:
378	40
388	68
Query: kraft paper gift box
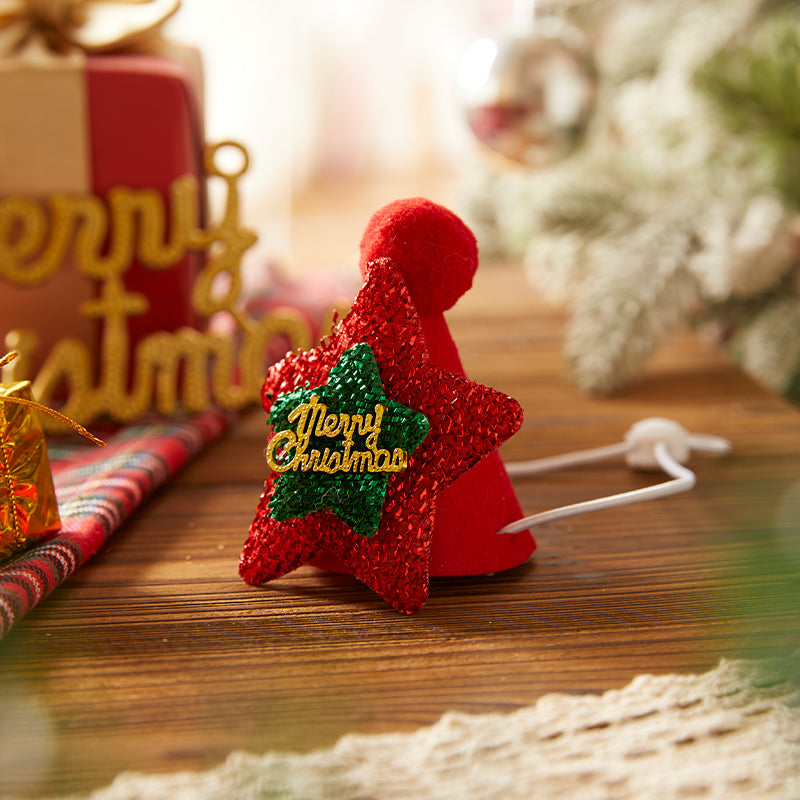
81	118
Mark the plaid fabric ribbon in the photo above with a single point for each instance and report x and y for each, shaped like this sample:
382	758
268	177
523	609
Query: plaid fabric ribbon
97	490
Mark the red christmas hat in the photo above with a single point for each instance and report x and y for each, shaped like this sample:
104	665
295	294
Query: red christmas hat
377	511
438	256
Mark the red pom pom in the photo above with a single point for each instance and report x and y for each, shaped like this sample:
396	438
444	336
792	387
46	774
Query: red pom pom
434	250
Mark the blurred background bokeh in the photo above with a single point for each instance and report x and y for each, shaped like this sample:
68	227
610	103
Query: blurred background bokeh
347	91
639	158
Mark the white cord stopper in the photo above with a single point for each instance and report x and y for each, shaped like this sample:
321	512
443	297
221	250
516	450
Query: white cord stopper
651	444
642	438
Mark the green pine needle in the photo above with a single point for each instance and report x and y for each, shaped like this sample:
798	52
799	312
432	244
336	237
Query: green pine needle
756	90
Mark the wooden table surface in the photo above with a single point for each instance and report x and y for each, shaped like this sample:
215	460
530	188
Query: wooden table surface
156	657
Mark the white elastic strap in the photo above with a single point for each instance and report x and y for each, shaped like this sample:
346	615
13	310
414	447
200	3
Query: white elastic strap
642	449
565	460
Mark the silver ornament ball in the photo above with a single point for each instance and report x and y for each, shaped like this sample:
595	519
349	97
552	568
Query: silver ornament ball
530	94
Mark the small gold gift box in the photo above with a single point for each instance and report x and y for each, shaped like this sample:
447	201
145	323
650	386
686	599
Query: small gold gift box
28	507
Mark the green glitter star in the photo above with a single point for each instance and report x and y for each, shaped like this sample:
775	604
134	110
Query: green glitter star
336	445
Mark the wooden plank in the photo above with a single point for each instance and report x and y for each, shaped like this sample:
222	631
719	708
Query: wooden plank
157	657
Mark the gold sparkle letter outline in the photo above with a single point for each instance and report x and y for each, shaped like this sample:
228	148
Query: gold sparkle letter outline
188	370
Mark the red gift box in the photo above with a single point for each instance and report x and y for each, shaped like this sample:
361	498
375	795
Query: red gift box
146	131
83	125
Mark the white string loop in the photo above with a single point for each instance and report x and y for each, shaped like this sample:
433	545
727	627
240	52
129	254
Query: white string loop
653	443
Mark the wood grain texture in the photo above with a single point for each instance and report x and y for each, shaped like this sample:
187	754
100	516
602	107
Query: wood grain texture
156	657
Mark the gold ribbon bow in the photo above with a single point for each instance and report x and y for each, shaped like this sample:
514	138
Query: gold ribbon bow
23	401
93	26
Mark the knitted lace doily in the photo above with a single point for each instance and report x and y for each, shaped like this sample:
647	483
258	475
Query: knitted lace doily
730	733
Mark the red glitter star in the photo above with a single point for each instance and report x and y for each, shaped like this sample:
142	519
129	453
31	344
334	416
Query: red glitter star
467	421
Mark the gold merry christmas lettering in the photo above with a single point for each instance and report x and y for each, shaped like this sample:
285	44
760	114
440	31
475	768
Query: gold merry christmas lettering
187	368
312	418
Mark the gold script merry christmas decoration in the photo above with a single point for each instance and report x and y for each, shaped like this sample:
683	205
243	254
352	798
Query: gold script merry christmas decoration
313	416
336	446
188	370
